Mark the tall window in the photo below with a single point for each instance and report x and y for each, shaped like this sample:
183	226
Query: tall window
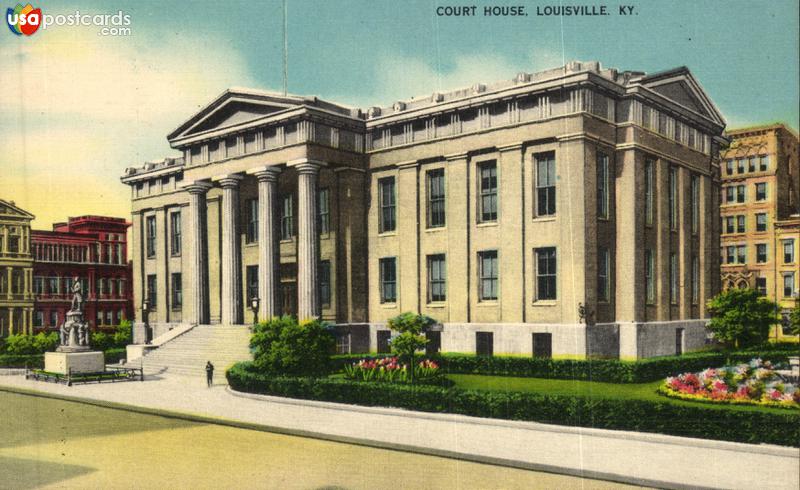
650	276
546	273
741	193
175	233
386	195
673	198
761	285
673	278
788	284
287	220
488	191
695	204
729	167
761	253
251	279
387	268
324	207
251	235
150	238
603	274
730	224
152	297
649	190
602	185
751	167
177	291
488	272
740	165
436	197
788	251
741	254
325	283
695	279
761	191
545	184
740	224
730	254
761	221
763	163
437	278
730	194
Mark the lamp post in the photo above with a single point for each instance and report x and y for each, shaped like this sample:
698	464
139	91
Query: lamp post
146	319
254	306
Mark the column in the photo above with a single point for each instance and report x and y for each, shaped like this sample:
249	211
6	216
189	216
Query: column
11	329
307	250
10	282
268	248
197	219
231	257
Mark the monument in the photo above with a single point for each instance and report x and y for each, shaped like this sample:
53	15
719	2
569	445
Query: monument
73	355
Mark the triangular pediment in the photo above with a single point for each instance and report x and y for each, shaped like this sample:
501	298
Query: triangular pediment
681	87
680	93
10	210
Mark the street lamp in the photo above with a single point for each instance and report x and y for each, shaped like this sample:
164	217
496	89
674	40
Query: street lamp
146	319
254	306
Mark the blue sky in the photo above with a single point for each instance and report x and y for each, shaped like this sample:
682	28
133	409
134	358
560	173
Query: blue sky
78	105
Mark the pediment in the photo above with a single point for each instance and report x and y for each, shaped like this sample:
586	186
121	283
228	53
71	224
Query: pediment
233	113
680	86
680	93
9	210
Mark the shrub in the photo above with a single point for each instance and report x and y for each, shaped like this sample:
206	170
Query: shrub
741	317
101	340
794	319
123	335
284	346
704	421
409	339
22	344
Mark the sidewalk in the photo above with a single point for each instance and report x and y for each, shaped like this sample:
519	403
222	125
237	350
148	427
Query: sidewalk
629	457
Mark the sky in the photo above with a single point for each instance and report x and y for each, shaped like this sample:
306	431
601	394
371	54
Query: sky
77	108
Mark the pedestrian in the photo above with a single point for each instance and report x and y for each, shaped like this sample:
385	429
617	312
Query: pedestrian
209	373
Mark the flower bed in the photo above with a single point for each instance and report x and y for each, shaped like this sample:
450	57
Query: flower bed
751	383
389	369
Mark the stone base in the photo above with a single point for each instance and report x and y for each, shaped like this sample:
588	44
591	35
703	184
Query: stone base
74	362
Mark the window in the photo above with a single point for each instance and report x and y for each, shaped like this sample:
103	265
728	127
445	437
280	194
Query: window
251	234
673	198
325	283
121	288
546	273
152	297
740	165
673	278
649	190
761	191
437	278
788	251
251	279
695	203
53	318
603	274
545	184
730	194
730	255
729	167
38	285
761	253
175	233
177	291
484	343
151	236
436	196
761	221
695	279
488	191
542	345
109	317
101	286
761	285
386	194
763	163
741	254
740	224
487	263
788	284
324	209
38	319
387	268
741	193
602	186
52	285
730	224
100	317
751	167
650	276
287	221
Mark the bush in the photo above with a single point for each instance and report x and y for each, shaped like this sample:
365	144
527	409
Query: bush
741	317
409	339
284	346
123	334
638	415
101	340
33	361
22	344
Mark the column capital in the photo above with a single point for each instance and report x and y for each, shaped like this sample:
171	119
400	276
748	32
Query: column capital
265	173
196	187
227	180
306	165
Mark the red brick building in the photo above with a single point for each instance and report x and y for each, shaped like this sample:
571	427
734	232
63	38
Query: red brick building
93	249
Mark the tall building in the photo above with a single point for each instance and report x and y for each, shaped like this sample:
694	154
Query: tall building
570	212
92	249
16	268
760	212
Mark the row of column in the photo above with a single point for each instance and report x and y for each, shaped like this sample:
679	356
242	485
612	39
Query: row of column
25	322
26	283
24	239
268	245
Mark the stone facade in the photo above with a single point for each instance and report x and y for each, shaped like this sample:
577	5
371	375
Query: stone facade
16	270
496	209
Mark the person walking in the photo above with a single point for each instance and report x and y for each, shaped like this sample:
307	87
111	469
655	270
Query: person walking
209	373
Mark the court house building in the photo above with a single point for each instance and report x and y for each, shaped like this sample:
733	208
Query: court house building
570	212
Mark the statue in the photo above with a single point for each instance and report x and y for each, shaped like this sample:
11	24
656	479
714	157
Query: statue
74	331
77	297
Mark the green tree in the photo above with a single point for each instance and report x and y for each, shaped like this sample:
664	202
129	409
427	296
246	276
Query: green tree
284	346
741	317
409	339
794	319
123	334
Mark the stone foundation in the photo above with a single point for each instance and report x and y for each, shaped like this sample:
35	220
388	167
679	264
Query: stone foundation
74	362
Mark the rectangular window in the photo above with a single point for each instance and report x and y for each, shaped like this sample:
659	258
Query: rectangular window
287	220
741	254
109	317
730	224
100	317
761	285
729	167
761	253
730	254
761	221
545	273
763	163
388	279
38	319
177	291
484	343
251	234
695	203
436	198
488	275
324	207
386	195
741	193
740	165
673	198
488	191
673	278
545	184
38	285
437	278
649	190
251	279
53	318
695	279
788	284
175	233
650	276
603	274
602	186
761	191
730	194
152	297
751	166
740	224
150	237
325	283
788	251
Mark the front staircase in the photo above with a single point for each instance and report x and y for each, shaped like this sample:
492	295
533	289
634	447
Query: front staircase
187	354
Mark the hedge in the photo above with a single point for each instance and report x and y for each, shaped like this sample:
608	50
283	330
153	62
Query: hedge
34	361
636	415
605	370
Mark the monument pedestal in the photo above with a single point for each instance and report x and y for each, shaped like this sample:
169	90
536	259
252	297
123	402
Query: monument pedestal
76	362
